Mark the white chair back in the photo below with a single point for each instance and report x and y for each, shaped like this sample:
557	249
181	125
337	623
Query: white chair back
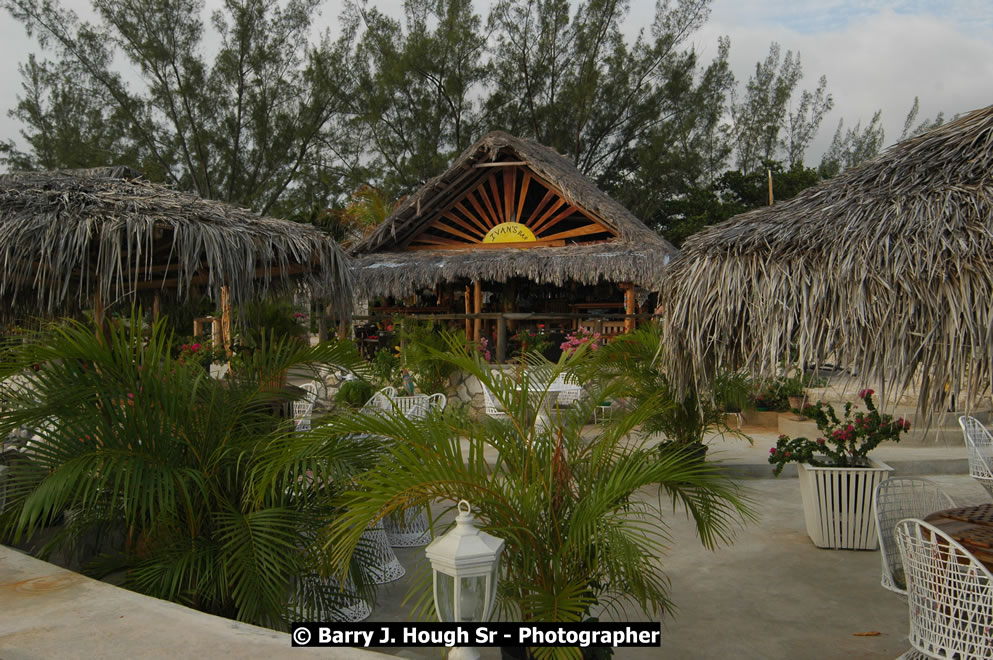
493	406
437	401
893	500
980	445
380	401
303	409
949	593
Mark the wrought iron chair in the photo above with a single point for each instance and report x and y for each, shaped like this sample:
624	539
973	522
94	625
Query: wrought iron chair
980	445
896	499
949	594
303	409
571	392
493	407
387	567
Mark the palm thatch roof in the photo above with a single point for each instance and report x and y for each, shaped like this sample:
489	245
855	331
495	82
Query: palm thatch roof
605	240
887	268
68	235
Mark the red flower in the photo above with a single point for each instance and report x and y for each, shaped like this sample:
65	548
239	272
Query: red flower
772	450
195	347
864	393
820	441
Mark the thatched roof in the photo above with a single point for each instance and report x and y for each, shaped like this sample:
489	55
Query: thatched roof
627	251
887	268
66	235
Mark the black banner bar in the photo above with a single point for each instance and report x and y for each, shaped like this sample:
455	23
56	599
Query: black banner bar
412	634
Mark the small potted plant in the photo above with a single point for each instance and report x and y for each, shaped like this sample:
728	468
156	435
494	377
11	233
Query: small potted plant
837	477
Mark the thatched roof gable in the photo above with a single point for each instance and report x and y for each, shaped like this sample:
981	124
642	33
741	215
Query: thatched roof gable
65	235
887	268
604	240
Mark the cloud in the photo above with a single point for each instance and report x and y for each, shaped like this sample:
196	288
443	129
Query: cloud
881	61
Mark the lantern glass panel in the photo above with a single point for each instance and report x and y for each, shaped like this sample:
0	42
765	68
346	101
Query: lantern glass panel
472	598
445	596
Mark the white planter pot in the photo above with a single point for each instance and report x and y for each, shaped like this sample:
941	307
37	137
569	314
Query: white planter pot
837	504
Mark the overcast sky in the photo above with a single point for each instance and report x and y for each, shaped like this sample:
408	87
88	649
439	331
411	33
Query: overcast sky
877	54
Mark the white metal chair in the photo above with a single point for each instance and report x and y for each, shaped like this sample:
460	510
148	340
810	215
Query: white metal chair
949	594
571	390
493	407
380	401
980	445
387	567
303	409
893	500
438	401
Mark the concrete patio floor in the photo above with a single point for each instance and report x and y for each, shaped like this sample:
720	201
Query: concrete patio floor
771	594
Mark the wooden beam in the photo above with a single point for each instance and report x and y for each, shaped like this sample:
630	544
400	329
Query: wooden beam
556	220
468	310
495	189
580	231
523	194
487	220
437	241
547	214
509	181
494	216
477	225
477	304
549	195
452	230
509	163
455	245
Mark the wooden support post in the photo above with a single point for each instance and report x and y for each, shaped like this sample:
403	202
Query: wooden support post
477	308
198	327
156	307
628	306
216	332
99	322
468	310
226	318
770	186
501	339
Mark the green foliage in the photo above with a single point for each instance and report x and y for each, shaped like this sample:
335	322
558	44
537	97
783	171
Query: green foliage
155	463
631	363
275	318
774	394
386	369
248	126
354	393
579	533
845	442
423	355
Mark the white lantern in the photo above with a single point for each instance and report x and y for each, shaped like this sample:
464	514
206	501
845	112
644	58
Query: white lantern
466	566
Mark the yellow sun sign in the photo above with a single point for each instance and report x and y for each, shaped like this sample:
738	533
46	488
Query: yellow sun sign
509	232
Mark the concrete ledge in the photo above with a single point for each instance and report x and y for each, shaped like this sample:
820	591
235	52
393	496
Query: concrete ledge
49	612
903	468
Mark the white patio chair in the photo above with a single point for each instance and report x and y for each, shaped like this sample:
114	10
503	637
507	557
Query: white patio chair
303	409
437	401
408	401
386	567
980	445
949	593
571	390
380	401
893	500
493	407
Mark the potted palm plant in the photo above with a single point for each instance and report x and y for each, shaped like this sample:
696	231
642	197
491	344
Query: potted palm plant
837	477
577	536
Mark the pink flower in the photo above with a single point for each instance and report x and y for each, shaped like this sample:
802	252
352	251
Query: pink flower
131	395
195	347
772	450
864	393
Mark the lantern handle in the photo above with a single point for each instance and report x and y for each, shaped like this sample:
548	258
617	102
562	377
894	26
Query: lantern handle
468	508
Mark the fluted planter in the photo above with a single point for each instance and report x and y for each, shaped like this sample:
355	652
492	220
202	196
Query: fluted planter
837	504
